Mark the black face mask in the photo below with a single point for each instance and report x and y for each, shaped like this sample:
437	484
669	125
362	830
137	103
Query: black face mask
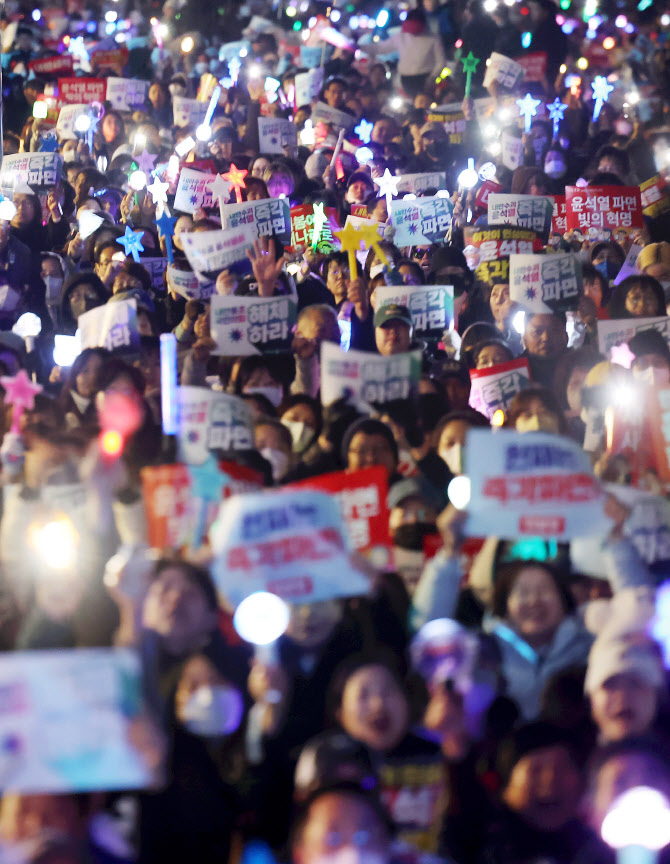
433	149
412	536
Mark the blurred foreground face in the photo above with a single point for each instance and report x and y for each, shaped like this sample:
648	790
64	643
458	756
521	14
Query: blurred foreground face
342	827
619	774
624	706
374	708
178	611
311	624
544	788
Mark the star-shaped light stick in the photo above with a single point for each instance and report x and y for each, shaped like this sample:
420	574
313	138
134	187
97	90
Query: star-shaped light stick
220	193
388	186
146	161
132	243
350	240
49	144
364	130
556	111
371	238
235	178
20	393
601	93
234	67
207	484
158	191
469	66
320	220
165	227
527	110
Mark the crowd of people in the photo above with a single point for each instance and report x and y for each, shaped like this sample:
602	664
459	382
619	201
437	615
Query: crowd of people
488	699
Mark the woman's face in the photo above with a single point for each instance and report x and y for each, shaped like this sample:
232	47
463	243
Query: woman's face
311	624
85	381
641	302
279	184
451	443
409	277
259	167
51	267
374	708
111	128
83	298
624	706
183	225
25	210
534	606
536	417
492	355
594	291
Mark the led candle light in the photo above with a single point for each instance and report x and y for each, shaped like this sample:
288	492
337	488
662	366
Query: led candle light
235	178
469	67
601	93
528	109
388	187
556	111
319	221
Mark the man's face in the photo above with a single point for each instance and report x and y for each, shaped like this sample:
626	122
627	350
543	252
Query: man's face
334	95
366	451
108	266
394	337
544	788
382	132
177	609
545	336
624	706
319	327
83	298
358	192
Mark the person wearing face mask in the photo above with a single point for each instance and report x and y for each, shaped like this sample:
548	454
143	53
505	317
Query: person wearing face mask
451	433
556	163
535	409
25	289
608	258
652	358
571	373
414	505
302	418
52	273
275	444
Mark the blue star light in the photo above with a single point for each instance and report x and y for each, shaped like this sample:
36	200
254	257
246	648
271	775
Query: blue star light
364	131
49	144
601	93
165	227
528	109
132	243
556	111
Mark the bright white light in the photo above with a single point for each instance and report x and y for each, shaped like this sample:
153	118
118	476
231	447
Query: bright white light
243	52
459	492
487	171
7	210
82	123
639	817
382	18
490	6
490	130
66	349
36	14
624	395
396	103
665	20
495	148
519	322
203	132
620	21
261	618
335	16
40	109
28	325
353	22
137	181
110	28
443	193
468	177
187	44
410	196
305	35
111	16
364	155
505	115
56	544
307	136
633	97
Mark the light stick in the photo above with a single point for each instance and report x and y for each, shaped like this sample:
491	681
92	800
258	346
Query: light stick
319	221
169	396
203	132
20	393
638	825
372	239
388	187
527	110
220	192
165	227
364	131
132	243
556	111
601	93
350	240
235	178
469	66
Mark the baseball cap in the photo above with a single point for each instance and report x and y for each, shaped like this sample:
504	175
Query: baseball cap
392	312
623	655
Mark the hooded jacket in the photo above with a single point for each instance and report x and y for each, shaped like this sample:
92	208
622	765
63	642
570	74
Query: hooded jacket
68	323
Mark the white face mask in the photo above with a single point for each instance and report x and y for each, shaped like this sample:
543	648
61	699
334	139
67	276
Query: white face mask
272	393
53	286
453	457
279	461
653	376
376	270
213	711
70	155
301	433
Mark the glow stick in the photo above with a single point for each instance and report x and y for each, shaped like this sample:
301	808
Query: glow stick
169	401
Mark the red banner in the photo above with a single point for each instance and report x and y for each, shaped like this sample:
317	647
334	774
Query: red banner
559	220
52	65
81	91
168	503
535	65
603	211
302	227
362	496
114	60
487	187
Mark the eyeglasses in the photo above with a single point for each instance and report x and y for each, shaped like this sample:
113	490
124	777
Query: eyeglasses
423	253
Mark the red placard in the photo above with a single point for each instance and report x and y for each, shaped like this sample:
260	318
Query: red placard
559	222
81	91
535	65
487	188
168	503
488	249
52	65
362	496
602	211
655	196
241	479
115	60
302	225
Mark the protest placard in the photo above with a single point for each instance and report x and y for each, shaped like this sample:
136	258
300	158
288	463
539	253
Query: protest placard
112	326
61	64
210	420
629	266
431	306
362	498
545	283
114	59
533	484
125	94
302	229
616	332
488	187
40	171
367	379
169	506
188	112
420	182
252	325
494	388
503	71
308	86
293	544
452	118
310	57
535	66
604	212
194	190
559	219
512	150
68	720
322	113
524	211
187	284
421	221
655	196
81	91
156	268
276	134
270	217
212	251
66	120
487	250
